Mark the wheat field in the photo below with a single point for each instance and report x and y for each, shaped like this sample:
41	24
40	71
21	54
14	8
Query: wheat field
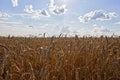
60	58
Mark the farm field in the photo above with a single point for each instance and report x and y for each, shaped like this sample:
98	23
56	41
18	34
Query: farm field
60	58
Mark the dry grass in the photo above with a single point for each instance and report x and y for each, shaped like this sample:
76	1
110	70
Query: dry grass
60	58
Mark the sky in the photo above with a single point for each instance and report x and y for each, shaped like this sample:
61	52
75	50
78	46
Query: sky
53	17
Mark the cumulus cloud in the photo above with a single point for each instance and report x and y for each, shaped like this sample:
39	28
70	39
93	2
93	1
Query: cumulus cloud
15	3
58	9
35	13
99	15
29	9
38	13
55	9
45	13
99	30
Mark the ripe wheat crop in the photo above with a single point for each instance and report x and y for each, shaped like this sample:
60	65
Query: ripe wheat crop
60	58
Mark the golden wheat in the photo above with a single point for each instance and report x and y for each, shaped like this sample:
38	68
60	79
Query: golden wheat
62	58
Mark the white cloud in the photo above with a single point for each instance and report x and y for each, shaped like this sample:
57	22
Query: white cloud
3	19
22	15
29	9
4	16
15	3
71	31
55	9
25	30
58	9
99	30
65	30
52	3
117	22
36	14
45	13
9	22
99	15
95	30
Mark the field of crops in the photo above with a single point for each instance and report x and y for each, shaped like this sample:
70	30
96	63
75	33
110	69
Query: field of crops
60	58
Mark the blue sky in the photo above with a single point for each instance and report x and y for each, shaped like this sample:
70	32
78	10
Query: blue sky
82	17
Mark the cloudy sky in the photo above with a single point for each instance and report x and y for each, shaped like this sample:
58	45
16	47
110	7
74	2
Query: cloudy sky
82	17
